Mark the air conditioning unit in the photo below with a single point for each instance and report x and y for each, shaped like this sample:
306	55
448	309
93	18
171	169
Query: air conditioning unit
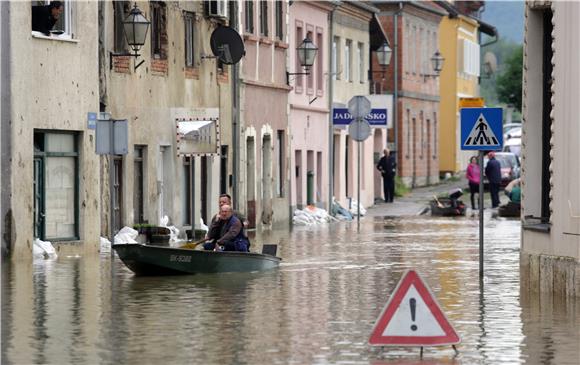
216	8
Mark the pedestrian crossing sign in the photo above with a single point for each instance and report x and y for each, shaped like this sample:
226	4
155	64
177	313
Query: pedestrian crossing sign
481	129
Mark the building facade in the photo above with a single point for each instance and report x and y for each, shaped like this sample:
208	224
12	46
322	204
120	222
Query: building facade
349	65
265	165
413	31
179	81
550	248
308	101
50	172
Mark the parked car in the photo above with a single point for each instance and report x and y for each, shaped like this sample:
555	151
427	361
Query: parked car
513	145
513	133
510	167
507	128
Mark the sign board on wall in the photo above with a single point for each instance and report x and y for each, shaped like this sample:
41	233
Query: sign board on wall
376	118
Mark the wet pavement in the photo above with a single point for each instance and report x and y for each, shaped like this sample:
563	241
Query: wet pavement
319	307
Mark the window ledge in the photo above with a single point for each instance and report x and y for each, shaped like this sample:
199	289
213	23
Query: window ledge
250	37
265	40
40	35
280	44
537	227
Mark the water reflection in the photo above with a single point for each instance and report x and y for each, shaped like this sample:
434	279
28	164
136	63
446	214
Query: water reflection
318	308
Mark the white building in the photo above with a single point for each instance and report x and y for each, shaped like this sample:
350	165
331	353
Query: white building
550	252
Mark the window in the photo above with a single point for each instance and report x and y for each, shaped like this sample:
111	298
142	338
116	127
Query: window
347	60
310	76
187	189
547	68
280	163
279	20
469	57
297	61
53	20
361	62
319	62
335	58
117	193
120	12
158	30
139	184
223	169
216	8
264	18
249	17
189	19
56	168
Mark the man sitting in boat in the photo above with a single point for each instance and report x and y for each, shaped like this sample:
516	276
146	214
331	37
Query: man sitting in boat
227	232
227	199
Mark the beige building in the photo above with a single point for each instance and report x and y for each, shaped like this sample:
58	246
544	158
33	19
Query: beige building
50	172
349	65
550	251
179	81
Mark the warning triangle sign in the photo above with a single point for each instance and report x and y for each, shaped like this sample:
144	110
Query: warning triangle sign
412	317
481	134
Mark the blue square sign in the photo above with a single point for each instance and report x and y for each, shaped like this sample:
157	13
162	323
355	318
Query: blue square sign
482	129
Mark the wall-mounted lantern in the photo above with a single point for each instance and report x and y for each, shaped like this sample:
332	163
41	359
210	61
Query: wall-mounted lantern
306	53
135	27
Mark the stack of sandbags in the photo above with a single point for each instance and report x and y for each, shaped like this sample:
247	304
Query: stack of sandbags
311	215
43	250
354	206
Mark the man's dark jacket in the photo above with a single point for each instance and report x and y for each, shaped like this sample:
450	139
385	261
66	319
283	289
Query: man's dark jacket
388	166
493	171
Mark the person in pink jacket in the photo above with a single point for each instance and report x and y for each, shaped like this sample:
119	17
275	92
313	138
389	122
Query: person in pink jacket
472	176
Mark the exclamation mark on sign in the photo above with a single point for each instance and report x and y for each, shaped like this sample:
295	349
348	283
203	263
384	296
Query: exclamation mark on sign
413	304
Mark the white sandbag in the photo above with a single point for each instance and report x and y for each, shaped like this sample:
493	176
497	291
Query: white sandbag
202	225
105	245
43	249
163	222
126	235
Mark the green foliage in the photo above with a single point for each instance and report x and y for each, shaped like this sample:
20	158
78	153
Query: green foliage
400	188
509	82
503	50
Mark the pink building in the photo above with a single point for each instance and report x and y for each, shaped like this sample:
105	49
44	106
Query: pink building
308	99
264	113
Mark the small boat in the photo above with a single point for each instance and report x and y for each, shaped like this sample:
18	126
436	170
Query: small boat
157	260
509	210
447	207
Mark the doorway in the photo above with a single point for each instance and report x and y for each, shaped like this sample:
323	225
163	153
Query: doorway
267	179
251	181
39	211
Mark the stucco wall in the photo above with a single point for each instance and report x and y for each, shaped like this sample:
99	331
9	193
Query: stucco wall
54	83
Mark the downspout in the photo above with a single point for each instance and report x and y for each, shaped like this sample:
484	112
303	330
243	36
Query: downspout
330	120
396	82
7	223
235	119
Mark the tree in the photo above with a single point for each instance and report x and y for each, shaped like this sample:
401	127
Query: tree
509	82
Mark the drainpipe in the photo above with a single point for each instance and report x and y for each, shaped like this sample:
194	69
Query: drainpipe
396	82
6	220
330	99
235	120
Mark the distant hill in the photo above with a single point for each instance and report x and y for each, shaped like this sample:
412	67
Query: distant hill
507	17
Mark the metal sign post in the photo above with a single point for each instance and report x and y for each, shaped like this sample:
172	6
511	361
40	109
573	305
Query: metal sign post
481	130
359	130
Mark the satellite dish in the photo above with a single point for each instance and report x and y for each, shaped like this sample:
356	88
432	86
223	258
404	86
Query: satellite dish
489	63
227	45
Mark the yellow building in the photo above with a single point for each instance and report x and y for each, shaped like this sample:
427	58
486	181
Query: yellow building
459	42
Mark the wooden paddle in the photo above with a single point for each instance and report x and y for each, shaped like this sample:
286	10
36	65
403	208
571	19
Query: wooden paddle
193	245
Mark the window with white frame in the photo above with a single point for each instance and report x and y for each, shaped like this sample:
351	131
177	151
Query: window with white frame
189	19
347	60
469	57
361	62
335	58
249	17
53	18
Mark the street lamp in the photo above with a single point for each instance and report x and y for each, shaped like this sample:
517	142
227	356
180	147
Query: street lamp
306	52
384	53
135	27
437	62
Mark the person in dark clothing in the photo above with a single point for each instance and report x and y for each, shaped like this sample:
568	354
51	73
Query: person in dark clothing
227	233
388	167
493	173
44	17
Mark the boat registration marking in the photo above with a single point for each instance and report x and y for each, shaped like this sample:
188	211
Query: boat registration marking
179	258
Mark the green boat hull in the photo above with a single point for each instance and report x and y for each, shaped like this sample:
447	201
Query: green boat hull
156	260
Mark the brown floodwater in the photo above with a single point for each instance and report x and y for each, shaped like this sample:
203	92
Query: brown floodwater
319	307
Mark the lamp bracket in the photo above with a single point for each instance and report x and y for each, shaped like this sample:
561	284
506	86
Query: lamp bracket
425	76
288	74
125	54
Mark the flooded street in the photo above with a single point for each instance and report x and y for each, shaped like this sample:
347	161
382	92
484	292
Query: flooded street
318	308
